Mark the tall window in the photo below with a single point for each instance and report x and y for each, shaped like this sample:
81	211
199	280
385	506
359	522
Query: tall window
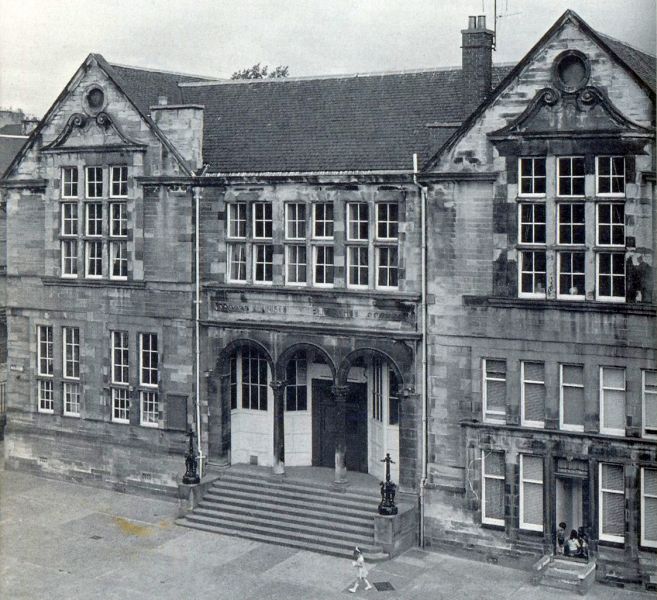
532	273
492	488
45	401
148	379
94	247
532	223
571	223
611	277
324	265
570	176
358	235
118	244
296	256
649	508
254	380
263	254
71	384
94	182
531	492
649	403
532	176
610	176
323	220
532	408
296	390
387	256
358	225
262	220
611	224
236	262
120	377
69	242
358	266
612	400
236	220
377	390
611	503
571	397
70	182
323	253
494	390
384	393
118	182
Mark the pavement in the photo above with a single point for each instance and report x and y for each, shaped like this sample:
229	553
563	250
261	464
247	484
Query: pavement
61	540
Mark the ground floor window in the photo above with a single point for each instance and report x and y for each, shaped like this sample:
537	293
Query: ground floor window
120	405
249	381
531	492
649	508
71	399
149	408
45	392
492	488
611	503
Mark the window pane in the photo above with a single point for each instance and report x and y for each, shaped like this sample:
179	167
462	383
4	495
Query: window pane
494	463
613	514
612	478
496	395
532	467
612	377
573	406
614	409
494	508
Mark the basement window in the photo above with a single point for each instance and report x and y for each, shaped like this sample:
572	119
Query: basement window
649	508
492	488
531	492
611	503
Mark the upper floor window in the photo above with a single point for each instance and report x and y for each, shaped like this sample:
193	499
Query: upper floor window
611	224
71	385
571	175
649	403
70	182
295	221
532	176
612	400
358	226
532	223
387	221
323	220
236	220
571	223
94	182
571	397
262	220
649	508
119	182
494	390
532	406
45	347
610	175
148	379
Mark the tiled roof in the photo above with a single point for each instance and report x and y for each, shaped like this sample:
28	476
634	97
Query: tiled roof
144	86
350	123
12	129
644	65
9	147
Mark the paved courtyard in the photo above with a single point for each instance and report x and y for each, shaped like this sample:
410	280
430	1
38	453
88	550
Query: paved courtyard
65	541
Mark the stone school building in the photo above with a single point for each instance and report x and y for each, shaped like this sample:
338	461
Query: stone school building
454	267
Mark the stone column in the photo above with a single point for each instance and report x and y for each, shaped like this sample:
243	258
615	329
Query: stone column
278	388
340	393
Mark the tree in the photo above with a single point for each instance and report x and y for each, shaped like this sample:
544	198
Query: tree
261	72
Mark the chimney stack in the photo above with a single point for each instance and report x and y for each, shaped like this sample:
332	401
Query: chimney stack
477	62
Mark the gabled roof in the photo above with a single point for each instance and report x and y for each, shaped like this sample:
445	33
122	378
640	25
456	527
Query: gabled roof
636	62
350	123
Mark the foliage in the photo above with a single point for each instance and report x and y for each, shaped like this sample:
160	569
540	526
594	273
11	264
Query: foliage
259	71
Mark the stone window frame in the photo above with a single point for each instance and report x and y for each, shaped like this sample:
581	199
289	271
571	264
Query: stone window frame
501	415
563	426
69	228
92	183
71	386
571	272
118	240
73	182
295	263
324	266
522	480
648	432
596	255
149	392
486	520
357	247
610	430
523	381
296	243
602	536
534	271
121	181
643	541
120	386
93	240
45	378
532	178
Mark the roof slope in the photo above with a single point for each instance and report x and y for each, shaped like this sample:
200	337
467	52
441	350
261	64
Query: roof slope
351	123
9	147
144	86
644	65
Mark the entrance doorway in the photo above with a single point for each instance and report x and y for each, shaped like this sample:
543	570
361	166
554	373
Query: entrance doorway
570	503
356	427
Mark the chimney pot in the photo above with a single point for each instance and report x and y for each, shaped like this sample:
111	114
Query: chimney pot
472	22
481	22
477	62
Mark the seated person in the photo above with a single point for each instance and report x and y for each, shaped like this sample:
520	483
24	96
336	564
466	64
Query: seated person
561	537
572	546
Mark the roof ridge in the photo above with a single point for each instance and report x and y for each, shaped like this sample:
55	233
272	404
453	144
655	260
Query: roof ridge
324	77
161	71
624	43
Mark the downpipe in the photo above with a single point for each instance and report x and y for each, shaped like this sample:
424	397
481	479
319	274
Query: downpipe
197	325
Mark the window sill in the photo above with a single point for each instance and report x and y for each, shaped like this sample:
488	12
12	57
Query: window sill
542	304
66	281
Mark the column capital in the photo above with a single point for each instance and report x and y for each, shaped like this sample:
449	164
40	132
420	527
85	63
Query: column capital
277	385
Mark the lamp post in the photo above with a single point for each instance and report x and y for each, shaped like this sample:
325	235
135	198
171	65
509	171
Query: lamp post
191	463
388	490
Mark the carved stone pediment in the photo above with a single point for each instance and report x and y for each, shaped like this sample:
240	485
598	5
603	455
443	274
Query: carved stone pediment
587	112
99	132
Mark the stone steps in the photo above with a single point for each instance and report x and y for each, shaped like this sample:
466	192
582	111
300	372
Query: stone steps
294	513
565	574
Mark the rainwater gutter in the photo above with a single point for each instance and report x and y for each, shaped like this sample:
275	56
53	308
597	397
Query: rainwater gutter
423	309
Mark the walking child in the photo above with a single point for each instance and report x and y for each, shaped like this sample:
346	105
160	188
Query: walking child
361	571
